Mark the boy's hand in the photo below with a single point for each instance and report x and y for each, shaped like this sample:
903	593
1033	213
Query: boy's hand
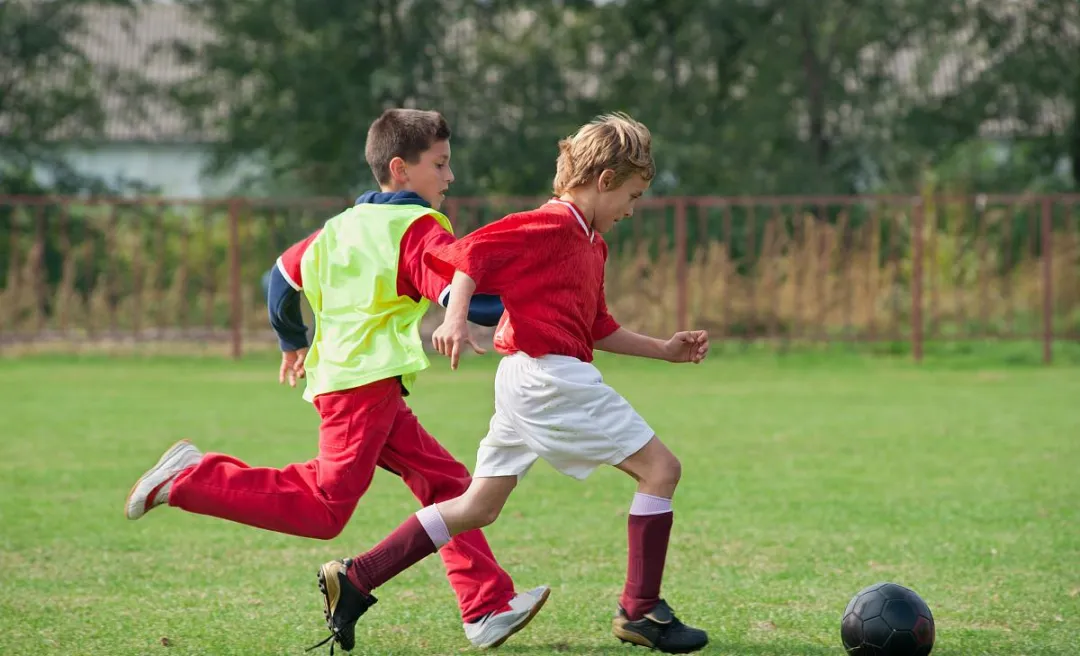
687	346
450	339
292	366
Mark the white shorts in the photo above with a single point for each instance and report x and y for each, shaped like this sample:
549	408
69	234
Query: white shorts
557	408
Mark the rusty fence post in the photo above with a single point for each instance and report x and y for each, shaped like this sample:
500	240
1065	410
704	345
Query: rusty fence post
917	281
1048	281
235	296
39	282
682	309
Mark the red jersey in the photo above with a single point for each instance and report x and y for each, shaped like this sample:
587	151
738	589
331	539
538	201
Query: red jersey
414	279
548	266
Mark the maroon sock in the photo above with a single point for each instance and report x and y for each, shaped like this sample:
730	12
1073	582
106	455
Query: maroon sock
645	563
406	546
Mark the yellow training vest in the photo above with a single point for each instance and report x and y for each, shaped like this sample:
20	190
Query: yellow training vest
364	331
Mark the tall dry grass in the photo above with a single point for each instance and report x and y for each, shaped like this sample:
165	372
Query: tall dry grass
812	284
819	280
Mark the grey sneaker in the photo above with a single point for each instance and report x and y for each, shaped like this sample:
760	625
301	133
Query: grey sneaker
494	628
152	489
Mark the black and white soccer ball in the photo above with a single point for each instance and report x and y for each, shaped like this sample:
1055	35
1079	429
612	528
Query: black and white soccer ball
886	619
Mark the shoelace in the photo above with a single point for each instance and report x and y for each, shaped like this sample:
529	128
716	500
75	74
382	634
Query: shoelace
332	637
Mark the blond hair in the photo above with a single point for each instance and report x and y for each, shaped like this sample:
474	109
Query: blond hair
612	141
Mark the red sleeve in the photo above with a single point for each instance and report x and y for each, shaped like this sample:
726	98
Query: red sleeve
604	324
415	279
289	262
496	254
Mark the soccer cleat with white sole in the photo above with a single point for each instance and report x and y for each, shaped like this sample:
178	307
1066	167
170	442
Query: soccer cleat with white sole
152	489
494	628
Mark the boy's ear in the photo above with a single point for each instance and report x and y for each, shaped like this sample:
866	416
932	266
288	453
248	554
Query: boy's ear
397	170
607	176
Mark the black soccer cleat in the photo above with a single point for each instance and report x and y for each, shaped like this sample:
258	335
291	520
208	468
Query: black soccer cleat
343	604
659	630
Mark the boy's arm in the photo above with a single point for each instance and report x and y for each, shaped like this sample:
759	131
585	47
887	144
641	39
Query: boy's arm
283	308
608	335
283	297
684	346
492	257
451	337
484	309
627	342
421	279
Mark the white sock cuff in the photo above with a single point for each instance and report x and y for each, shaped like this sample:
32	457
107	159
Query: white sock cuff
433	524
647	504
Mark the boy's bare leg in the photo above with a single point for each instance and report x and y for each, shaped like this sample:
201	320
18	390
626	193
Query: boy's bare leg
479	506
655	468
644	618
433	475
347	585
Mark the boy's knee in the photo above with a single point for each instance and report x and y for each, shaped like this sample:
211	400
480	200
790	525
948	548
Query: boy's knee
327	532
329	524
483	517
330	529
666	472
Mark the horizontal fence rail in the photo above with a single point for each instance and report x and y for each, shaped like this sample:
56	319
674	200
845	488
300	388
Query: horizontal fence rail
786	269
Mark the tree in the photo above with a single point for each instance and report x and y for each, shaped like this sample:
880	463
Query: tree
50	91
301	80
743	96
1019	85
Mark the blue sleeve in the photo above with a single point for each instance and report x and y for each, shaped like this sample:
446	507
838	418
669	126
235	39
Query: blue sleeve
485	310
283	306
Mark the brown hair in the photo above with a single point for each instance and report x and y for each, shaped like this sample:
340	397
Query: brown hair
612	141
404	133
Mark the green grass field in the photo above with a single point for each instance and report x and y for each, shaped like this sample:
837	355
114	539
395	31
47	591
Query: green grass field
805	479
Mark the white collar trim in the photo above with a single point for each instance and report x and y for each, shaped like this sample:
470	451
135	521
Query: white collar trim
577	215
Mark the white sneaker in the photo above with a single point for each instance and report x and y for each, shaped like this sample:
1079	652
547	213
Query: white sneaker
152	489
493	629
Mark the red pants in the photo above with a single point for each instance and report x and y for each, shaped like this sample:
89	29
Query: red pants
361	428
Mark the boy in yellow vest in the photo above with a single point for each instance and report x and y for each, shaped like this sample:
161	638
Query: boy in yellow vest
365	279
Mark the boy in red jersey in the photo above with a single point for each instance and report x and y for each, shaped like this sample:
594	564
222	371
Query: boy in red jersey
550	401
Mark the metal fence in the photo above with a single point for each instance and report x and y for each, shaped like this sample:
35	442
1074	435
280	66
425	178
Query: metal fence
789	270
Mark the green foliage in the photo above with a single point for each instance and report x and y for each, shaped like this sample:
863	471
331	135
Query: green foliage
744	97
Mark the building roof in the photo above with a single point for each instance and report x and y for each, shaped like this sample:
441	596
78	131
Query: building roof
136	42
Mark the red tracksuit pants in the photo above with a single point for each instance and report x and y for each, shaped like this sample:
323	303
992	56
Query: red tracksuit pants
362	428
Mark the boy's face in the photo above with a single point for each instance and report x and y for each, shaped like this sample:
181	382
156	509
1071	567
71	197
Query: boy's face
430	176
616	203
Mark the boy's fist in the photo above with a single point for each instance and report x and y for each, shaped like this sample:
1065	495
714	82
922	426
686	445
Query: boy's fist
687	346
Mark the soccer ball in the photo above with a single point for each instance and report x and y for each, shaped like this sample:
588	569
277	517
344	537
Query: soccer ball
887	619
